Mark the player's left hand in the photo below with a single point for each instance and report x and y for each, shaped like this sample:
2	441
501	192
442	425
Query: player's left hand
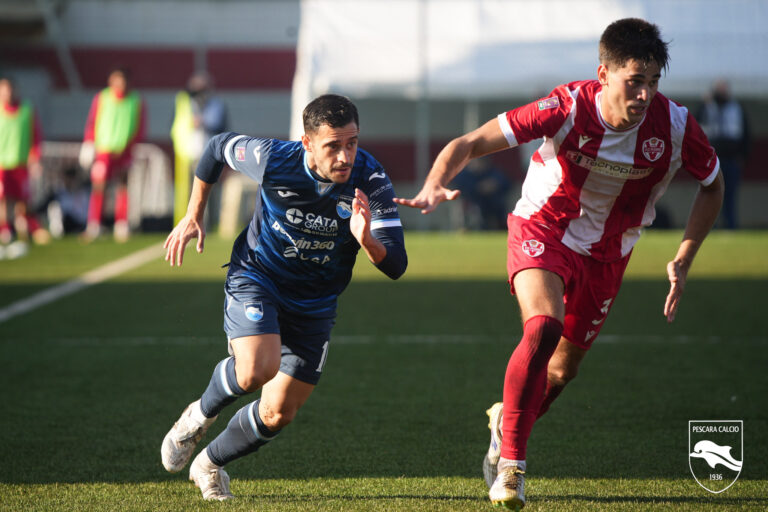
187	229
360	222
678	273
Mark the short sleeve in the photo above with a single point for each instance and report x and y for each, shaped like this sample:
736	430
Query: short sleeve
248	155
542	118
698	156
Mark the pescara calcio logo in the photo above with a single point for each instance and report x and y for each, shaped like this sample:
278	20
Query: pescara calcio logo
715	452
344	207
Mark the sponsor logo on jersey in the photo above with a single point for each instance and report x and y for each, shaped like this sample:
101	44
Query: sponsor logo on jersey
606	168
583	139
287	193
294	215
312	222
344	207
290	252
377	175
254	311
384	211
240	153
257	154
379	190
548	103
653	148
715	452
533	248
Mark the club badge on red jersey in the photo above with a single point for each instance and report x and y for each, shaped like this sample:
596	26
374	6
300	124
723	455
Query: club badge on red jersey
653	148
533	248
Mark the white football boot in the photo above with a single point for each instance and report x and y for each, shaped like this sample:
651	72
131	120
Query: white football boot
212	480
180	442
508	490
491	459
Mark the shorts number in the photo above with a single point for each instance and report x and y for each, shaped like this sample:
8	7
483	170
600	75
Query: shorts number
322	359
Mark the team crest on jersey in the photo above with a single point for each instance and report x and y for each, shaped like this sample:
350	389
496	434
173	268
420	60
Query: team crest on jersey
548	103
533	248
254	311
653	148
344	207
240	153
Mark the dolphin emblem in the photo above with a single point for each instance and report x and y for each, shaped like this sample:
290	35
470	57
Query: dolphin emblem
715	454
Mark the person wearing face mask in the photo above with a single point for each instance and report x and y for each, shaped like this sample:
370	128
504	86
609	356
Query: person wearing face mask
725	122
198	115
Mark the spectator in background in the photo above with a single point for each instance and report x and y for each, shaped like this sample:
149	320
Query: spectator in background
116	122
725	122
198	116
20	140
485	187
67	203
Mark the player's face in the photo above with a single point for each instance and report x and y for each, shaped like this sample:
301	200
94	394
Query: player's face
117	82
331	152
6	92
627	92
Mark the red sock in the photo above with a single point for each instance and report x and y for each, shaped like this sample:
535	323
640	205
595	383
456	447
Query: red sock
550	394
94	206
121	204
525	382
32	224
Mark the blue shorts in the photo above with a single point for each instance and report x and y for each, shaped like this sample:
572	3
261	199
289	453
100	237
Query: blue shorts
250	309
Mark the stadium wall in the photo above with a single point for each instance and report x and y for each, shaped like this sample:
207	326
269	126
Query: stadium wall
250	49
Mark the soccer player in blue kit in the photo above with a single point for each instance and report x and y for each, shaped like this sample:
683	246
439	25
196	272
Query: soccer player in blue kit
321	200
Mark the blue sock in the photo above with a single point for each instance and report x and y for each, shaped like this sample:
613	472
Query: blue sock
222	390
244	434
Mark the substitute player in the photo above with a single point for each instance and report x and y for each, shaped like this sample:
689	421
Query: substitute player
321	200
20	141
116	122
611	146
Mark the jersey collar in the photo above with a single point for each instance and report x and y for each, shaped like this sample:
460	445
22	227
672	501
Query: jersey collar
321	185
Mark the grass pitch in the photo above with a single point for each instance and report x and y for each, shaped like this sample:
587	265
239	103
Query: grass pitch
94	380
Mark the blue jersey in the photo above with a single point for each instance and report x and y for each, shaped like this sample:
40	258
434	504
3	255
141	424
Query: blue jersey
298	243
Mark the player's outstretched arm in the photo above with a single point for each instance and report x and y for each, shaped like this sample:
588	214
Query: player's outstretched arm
704	212
191	226
452	159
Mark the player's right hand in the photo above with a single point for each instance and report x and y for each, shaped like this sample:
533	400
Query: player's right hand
429	197
187	229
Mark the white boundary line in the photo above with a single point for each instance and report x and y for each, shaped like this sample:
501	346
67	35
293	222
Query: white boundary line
92	277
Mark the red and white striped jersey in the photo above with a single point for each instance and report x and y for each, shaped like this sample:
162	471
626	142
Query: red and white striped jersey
595	186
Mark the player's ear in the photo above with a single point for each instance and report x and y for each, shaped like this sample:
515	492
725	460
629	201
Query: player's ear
602	74
306	142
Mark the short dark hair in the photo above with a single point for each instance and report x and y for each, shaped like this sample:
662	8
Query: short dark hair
633	38
331	109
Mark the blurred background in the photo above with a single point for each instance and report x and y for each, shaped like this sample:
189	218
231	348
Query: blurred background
420	71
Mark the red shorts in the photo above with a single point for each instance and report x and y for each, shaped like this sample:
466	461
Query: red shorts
14	184
108	166
590	285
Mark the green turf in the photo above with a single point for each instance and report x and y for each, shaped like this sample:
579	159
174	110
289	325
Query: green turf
93	381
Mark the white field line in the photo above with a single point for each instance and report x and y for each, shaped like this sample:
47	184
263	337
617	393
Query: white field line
107	342
92	277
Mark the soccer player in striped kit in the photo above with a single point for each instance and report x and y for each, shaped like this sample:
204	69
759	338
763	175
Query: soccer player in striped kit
321	201
611	146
